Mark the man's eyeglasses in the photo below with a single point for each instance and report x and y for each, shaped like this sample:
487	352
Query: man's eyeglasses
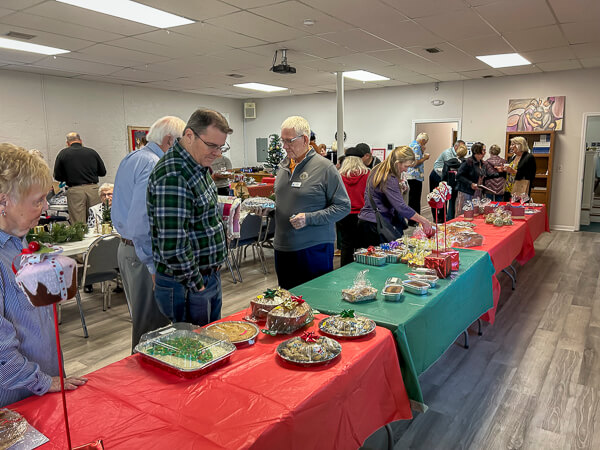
289	141
211	146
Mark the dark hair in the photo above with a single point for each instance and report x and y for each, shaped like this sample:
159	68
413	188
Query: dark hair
201	119
477	148
363	148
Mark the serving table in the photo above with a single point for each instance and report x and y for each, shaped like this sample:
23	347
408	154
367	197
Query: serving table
255	401
423	326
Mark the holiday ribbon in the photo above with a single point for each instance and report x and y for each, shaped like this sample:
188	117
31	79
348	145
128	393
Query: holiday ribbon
393	245
347	314
270	293
385	247
310	336
292	302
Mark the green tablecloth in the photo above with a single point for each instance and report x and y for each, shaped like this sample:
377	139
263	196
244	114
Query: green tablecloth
424	326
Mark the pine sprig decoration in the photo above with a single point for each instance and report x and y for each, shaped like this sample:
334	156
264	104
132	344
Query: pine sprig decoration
106	218
276	152
60	234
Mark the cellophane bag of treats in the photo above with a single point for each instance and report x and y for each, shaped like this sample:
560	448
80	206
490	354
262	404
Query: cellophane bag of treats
361	290
289	316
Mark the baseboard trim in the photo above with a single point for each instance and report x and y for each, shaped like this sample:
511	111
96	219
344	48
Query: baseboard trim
562	228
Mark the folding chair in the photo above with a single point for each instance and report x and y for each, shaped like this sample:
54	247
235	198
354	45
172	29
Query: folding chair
250	233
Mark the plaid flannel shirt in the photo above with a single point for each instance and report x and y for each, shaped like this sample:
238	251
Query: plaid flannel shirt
185	224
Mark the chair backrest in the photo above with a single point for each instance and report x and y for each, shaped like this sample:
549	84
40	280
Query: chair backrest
269	230
250	228
100	262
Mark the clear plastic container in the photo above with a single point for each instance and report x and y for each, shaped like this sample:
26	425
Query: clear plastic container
393	292
185	349
416	287
431	279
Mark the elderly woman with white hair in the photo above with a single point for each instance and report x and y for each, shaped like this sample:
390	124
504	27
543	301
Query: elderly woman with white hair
28	362
96	212
416	174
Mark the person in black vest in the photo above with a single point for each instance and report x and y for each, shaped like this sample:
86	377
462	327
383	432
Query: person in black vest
449	172
79	167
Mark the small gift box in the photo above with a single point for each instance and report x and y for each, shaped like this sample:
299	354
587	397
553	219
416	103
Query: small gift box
441	263
454	258
489	209
469	214
518	212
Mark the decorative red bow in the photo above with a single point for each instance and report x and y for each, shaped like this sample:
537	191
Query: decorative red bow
297	298
310	336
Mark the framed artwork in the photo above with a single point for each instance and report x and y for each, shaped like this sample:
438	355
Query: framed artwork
536	114
136	137
378	152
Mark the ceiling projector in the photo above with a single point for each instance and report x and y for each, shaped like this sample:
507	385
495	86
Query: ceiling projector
284	67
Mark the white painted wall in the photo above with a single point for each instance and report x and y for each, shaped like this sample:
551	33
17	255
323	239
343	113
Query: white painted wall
38	111
592	133
382	116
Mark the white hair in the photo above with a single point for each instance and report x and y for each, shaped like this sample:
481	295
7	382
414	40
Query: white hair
422	137
165	126
105	186
299	124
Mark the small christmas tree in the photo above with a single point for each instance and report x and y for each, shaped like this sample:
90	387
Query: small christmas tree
276	153
106	218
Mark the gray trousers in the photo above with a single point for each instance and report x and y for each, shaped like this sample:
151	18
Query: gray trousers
137	284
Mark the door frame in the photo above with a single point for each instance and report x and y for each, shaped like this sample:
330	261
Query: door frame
416	121
581	168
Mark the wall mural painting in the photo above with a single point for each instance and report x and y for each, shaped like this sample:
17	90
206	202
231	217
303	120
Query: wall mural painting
536	114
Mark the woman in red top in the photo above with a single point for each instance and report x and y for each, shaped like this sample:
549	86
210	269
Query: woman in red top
354	175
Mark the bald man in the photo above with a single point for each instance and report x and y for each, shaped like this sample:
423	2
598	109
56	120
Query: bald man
79	167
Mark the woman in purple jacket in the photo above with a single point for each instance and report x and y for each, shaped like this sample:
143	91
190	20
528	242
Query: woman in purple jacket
383	185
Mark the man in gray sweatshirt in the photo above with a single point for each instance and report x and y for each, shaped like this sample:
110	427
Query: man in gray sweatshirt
310	198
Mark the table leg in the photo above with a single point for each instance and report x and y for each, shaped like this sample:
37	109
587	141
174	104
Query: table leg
514	281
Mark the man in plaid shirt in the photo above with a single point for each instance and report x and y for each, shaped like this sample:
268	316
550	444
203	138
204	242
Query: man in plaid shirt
188	236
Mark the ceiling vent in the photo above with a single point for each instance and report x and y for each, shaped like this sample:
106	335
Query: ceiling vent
17	35
235	75
433	50
488	76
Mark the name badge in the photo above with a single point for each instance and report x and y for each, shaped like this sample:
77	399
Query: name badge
296	184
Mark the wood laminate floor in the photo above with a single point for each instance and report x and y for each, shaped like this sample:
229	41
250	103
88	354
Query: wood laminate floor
532	380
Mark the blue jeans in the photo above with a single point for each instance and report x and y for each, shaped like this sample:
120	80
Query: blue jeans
180	304
295	268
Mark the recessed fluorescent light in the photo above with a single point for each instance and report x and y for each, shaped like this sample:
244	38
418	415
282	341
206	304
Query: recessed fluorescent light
260	87
363	75
136	12
29	47
505	60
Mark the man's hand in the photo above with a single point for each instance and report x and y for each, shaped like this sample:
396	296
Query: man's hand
71	383
298	221
474	186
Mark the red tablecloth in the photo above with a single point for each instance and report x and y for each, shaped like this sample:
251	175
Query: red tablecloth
260	190
507	243
255	401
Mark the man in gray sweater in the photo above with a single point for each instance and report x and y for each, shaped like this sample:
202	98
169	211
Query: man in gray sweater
310	198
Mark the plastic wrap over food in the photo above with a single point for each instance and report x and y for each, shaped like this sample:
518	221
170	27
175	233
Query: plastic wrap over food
289	316
265	302
309	349
361	290
258	205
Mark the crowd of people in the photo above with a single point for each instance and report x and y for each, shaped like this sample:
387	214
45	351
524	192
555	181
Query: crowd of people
164	205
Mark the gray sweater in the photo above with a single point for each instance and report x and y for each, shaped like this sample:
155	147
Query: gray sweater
316	189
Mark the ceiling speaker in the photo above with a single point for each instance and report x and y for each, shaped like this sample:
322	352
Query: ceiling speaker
249	110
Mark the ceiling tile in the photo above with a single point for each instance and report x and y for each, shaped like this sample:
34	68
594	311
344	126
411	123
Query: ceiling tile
559	65
536	38
517	15
87	18
77	66
40	70
257	27
184	44
325	65
149	47
315	46
61	27
20	4
358	40
121	56
408	34
13	56
589	50
210	33
408	61
519	70
368	15
581	32
293	13
448	76
550	54
484	45
480	73
575	11
456	25
415	9
247	4
137	75
242	58
194	10
451	57
590	62
268	50
360	61
5	12
50	39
